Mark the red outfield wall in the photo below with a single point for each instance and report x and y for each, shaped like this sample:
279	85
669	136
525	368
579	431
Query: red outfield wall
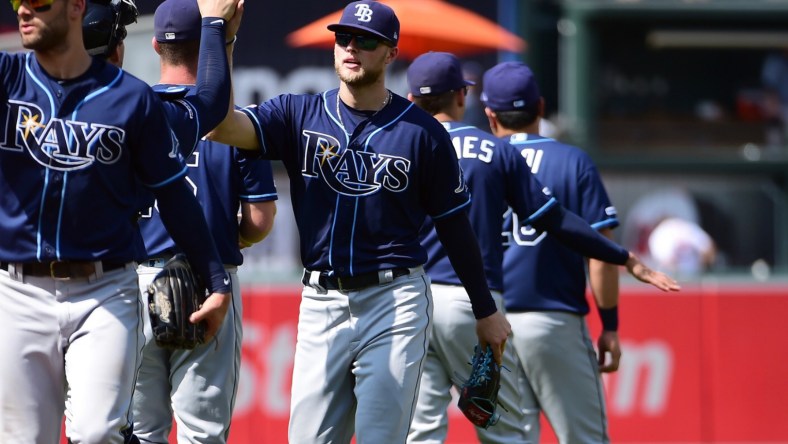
707	364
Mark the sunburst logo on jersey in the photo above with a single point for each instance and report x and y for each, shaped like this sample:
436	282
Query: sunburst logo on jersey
327	151
30	122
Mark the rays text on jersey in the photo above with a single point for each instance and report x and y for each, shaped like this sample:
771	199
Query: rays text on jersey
351	172
60	144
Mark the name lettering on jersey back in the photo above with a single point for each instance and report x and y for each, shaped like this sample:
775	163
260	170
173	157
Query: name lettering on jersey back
471	147
351	172
59	144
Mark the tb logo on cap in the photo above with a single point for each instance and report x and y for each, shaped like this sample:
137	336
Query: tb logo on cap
363	12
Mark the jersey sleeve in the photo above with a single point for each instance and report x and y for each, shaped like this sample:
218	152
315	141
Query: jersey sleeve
181	116
595	205
271	125
156	155
445	191
257	178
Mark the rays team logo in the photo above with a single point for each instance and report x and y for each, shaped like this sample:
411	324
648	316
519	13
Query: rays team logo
349	172
364	13
520	234
63	145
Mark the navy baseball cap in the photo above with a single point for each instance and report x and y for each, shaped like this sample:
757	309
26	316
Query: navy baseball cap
510	86
435	73
177	20
370	17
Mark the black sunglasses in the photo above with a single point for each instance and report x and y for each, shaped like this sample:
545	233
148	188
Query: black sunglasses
363	42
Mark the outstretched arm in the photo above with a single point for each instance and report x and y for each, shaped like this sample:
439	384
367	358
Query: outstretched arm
574	232
645	274
236	130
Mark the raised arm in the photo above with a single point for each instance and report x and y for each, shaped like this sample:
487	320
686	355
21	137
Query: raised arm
236	129
213	71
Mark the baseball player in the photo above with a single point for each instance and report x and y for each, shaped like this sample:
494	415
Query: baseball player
366	168
497	177
80	137
198	386
551	340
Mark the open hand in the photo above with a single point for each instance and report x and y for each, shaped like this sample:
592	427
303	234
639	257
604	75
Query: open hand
644	274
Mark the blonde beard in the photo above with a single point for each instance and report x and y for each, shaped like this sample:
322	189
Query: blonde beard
365	77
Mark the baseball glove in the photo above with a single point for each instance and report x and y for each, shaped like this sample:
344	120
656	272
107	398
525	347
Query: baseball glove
174	294
479	394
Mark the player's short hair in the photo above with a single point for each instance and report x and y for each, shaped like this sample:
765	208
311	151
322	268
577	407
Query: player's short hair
518	119
104	25
179	53
435	104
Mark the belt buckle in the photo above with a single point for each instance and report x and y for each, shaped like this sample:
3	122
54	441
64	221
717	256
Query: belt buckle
157	262
339	284
62	266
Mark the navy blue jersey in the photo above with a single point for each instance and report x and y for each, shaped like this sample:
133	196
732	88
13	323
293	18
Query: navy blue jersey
220	175
101	135
369	191
541	273
497	177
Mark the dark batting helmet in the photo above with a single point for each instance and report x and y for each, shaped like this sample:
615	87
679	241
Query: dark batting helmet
104	25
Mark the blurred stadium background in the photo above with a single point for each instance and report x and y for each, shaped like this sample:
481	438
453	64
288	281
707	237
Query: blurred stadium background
666	96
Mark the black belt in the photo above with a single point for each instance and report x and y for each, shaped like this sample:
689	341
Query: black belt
61	269
350	283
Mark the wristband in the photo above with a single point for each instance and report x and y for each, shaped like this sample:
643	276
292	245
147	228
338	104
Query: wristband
230	42
609	317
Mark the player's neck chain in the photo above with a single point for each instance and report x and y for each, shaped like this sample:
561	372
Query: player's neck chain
339	113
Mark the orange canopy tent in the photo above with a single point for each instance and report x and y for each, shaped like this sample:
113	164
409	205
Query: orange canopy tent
425	25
